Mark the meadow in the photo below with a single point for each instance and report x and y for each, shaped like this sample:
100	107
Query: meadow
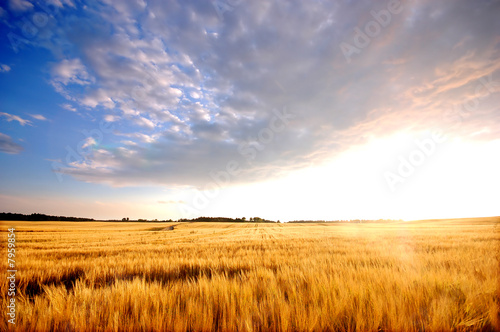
403	276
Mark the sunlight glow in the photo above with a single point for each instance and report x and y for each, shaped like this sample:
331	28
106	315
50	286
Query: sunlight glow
352	186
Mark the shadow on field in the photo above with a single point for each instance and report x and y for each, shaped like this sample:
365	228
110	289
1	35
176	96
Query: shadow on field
182	273
34	287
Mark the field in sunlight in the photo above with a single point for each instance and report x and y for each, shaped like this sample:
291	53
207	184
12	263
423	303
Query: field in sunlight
422	275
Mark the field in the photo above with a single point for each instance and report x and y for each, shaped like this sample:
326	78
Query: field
101	276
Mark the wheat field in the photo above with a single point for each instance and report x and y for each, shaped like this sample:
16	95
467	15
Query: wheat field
104	276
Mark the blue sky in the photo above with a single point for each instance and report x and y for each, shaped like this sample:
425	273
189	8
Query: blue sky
279	109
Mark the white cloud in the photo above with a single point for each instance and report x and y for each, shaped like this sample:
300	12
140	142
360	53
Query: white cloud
141	137
71	71
20	5
111	118
11	117
38	117
7	145
98	97
61	3
89	141
144	122
4	68
68	107
128	142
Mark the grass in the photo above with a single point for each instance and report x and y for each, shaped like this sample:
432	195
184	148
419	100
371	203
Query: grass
91	276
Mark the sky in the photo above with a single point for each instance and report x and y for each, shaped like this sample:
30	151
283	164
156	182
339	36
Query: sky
284	110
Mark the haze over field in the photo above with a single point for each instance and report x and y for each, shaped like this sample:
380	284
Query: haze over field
284	110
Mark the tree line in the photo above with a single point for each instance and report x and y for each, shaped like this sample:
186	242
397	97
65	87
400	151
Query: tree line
45	217
352	221
222	219
38	217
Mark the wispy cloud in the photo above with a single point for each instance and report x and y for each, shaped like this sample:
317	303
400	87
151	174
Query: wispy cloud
71	71
20	5
61	3
38	117
89	141
128	142
68	107
7	145
111	118
4	68
11	117
141	136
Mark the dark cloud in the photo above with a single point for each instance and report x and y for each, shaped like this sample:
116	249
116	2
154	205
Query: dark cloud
7	145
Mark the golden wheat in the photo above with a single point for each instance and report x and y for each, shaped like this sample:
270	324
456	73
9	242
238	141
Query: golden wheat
436	276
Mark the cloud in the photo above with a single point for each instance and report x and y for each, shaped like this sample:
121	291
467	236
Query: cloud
11	117
68	107
111	118
61	3
144	122
7	145
71	71
4	68
196	89
128	142
89	141
141	137
20	5
38	117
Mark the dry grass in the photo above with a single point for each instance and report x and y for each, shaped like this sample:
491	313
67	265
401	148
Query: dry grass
253	277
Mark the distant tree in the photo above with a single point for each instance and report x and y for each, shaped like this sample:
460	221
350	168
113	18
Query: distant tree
39	217
244	218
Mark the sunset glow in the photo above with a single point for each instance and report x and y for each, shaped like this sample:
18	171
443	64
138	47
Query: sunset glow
317	110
